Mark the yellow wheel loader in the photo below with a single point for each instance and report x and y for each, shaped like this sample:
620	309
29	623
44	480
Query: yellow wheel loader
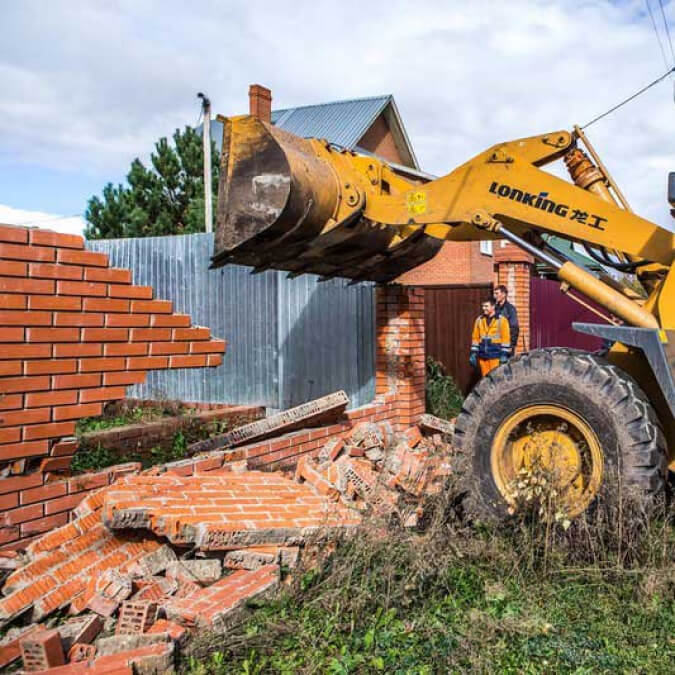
304	205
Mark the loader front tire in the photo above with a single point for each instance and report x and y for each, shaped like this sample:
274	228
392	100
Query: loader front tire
570	415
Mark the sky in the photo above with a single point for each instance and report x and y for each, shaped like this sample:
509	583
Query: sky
89	86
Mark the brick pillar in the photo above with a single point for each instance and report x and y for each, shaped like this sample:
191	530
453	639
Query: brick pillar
260	102
513	269
400	350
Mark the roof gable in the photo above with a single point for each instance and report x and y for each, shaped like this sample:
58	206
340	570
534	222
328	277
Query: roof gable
343	123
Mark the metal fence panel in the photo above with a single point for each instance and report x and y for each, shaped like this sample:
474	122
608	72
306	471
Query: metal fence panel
289	340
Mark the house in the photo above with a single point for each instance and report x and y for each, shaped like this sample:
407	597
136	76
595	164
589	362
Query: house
373	125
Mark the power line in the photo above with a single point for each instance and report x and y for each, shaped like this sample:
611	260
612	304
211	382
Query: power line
630	98
667	27
656	32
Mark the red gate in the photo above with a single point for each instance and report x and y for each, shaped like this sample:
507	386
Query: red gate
552	314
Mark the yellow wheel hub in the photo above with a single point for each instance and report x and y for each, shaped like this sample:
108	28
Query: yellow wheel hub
550	442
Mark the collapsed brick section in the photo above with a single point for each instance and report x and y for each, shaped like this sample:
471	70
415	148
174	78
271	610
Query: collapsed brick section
75	333
215	512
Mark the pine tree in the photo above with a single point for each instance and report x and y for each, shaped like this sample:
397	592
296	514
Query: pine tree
167	198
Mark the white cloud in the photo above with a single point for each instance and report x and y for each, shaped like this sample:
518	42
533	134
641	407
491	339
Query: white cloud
47	221
88	86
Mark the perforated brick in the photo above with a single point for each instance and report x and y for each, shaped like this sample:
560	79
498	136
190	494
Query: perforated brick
42	650
136	617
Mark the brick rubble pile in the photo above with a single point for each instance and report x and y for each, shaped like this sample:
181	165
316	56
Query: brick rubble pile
154	556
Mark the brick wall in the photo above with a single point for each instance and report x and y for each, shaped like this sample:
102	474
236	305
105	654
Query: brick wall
513	269
74	334
36	501
380	141
458	262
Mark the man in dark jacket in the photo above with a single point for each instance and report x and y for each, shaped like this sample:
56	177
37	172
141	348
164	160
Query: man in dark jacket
508	311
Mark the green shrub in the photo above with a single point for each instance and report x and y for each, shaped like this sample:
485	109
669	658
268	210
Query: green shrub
444	399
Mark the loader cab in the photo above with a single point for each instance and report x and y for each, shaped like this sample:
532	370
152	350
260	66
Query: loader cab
671	192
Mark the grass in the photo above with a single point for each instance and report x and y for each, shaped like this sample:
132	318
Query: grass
526	596
124	416
443	397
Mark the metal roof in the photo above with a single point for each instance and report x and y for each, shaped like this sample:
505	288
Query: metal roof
340	122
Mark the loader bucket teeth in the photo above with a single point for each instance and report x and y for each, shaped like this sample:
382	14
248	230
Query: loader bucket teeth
283	203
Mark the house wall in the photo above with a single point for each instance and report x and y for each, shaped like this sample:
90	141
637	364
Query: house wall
380	141
456	263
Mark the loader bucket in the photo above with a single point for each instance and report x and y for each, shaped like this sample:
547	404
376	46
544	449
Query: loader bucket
278	202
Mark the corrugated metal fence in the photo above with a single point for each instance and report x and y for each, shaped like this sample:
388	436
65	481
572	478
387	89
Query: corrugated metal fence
289	340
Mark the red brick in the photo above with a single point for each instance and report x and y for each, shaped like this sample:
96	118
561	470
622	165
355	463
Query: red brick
78	381
66	446
147	363
55	464
171	320
54	302
195	333
41	494
124	378
126	349
51	366
106	305
105	334
50	271
134	292
11	402
21	515
71	412
14	234
157	348
102	394
11	334
152	306
12	268
102	364
62	504
11	368
210	346
42	650
12	384
88	481
9	301
11	318
50	398
53	430
196	361
33	527
47	238
89	349
20	285
10	435
26	351
78	319
20	482
19	252
113	275
88	258
53	335
127	320
25	416
150	334
80	288
9	501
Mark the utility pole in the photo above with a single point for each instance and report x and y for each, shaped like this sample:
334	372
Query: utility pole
206	138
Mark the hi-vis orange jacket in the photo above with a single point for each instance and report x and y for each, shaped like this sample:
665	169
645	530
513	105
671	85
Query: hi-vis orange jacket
491	337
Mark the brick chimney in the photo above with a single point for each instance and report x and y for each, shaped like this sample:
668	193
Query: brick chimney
260	102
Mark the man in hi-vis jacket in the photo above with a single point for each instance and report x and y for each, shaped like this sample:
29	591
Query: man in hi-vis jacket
490	340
